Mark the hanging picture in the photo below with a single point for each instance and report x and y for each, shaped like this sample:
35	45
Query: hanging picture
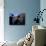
17	20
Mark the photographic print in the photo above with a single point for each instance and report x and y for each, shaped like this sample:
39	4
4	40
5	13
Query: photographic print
17	20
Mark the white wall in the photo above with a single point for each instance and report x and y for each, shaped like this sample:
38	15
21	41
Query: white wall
43	6
1	21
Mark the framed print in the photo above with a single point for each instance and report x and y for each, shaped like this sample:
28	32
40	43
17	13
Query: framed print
17	20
